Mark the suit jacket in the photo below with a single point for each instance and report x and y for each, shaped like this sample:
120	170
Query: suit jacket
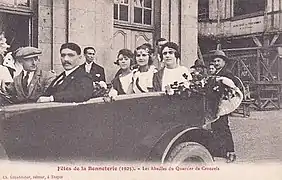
97	72
36	88
76	87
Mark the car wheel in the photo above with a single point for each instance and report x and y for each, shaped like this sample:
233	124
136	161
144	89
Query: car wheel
191	153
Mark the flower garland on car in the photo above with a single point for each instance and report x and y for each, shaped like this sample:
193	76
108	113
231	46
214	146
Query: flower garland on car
101	89
201	84
217	91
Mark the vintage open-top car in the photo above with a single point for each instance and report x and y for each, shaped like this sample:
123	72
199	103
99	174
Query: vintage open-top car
138	127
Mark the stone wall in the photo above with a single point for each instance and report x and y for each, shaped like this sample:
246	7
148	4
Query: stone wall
90	23
189	32
51	32
85	22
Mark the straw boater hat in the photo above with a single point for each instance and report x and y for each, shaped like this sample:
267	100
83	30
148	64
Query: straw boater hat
220	54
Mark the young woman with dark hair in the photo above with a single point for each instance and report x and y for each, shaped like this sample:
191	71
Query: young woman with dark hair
172	71
122	83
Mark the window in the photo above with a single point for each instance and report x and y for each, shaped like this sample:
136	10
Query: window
16	28
203	10
16	2
242	7
121	10
16	22
134	11
143	11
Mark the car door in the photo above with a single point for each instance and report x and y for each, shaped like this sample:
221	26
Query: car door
143	120
59	131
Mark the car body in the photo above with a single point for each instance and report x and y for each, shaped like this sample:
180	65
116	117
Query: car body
137	127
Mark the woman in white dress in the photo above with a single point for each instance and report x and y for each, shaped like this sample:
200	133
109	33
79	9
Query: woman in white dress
143	75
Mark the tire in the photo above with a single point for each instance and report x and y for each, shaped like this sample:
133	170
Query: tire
191	153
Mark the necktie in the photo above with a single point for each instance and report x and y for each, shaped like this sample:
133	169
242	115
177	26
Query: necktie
61	79
25	83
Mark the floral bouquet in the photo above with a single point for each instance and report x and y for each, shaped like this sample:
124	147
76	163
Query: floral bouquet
100	89
222	96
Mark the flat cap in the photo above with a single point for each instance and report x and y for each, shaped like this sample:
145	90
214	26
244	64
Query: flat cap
27	52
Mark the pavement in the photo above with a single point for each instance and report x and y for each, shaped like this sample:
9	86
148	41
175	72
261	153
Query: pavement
258	138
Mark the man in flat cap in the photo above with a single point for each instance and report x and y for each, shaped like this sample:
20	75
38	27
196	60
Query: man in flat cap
32	82
72	85
221	126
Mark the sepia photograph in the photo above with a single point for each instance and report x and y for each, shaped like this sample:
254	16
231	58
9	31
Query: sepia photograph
140	89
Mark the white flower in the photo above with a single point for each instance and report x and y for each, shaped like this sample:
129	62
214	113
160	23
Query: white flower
103	84
3	44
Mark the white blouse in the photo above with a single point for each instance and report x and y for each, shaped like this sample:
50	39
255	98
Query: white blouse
172	75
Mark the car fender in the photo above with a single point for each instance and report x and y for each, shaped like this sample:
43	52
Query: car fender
177	135
143	149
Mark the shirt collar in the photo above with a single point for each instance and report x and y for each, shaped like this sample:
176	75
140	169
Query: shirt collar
89	63
70	71
30	73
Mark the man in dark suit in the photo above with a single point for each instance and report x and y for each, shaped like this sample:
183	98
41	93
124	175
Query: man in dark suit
97	72
221	126
72	85
32	82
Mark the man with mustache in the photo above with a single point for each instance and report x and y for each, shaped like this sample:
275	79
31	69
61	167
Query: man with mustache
32	82
72	85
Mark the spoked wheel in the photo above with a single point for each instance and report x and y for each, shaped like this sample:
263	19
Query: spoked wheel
190	153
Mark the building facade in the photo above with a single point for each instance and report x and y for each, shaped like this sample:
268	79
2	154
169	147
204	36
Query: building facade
249	31
239	23
242	27
108	25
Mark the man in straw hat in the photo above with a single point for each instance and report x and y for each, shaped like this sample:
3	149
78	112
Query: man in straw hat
32	82
221	127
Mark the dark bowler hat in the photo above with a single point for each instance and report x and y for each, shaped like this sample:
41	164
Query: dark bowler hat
27	52
198	63
220	54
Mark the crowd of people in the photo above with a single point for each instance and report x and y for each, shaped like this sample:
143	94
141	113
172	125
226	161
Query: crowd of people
140	71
